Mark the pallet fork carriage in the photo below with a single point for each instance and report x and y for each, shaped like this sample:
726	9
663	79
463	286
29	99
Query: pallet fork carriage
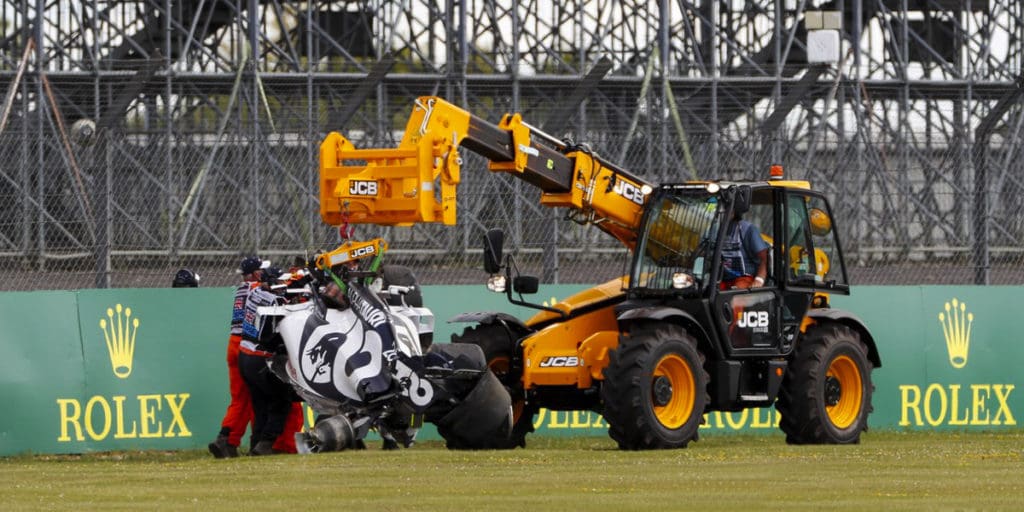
654	350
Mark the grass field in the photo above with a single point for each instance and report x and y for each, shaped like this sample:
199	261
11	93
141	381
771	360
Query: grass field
887	471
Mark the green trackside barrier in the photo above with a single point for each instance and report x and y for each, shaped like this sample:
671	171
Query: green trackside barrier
950	355
112	369
42	360
155	369
132	369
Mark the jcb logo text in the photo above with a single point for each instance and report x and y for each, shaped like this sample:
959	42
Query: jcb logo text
752	319
362	251
362	188
559	361
629	191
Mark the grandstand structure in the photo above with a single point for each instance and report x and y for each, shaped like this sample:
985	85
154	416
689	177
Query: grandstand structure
140	136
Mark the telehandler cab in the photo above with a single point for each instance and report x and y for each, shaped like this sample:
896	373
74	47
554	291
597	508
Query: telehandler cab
655	350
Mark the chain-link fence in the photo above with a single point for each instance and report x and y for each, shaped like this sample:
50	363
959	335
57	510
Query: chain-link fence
127	208
168	152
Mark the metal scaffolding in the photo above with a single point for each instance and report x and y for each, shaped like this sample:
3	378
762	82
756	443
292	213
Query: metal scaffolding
137	137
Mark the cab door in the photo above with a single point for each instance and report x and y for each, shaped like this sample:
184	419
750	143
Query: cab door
749	319
812	263
796	264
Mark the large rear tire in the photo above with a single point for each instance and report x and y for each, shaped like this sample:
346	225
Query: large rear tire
498	346
826	394
482	418
655	389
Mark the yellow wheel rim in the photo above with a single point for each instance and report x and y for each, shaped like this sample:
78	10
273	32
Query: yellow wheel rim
499	365
844	392
672	391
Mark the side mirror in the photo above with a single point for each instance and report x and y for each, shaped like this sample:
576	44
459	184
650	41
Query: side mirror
493	241
525	284
741	200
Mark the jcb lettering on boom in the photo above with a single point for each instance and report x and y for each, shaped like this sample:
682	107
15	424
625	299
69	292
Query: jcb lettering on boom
629	191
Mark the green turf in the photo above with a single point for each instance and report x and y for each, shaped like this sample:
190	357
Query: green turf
887	471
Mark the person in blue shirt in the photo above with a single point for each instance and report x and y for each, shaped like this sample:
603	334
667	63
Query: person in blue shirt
744	256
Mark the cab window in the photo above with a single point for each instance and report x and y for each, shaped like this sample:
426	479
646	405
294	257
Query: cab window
811	251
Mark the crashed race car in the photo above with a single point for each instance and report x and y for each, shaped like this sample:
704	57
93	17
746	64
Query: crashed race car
358	350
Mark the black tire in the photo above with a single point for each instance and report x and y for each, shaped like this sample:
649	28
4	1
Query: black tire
469	412
826	394
655	389
498	346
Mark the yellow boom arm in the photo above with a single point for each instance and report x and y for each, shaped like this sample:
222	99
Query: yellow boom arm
417	181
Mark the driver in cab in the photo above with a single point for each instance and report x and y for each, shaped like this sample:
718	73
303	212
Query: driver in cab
744	256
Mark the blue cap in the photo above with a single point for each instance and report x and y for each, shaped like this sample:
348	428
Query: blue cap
251	264
271	274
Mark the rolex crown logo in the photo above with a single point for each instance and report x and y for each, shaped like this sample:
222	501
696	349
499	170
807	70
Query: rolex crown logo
956	327
119	329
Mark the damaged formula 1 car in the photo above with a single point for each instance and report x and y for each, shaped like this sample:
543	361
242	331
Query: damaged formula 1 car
359	353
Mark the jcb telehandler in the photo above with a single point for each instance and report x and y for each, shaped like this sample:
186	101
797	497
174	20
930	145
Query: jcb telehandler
655	350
